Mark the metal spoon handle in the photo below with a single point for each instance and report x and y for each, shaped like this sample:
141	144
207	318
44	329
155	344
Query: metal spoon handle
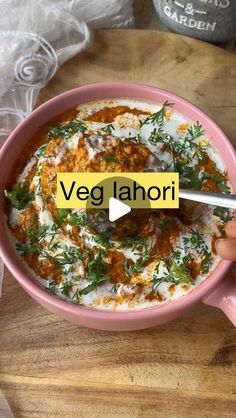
215	199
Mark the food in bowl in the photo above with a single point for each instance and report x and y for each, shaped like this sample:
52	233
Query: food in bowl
148	257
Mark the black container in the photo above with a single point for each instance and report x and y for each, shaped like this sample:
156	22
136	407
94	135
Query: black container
209	20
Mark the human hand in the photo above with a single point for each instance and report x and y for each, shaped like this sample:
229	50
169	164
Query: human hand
226	247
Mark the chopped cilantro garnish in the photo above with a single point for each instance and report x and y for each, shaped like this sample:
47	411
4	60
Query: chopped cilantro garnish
96	273
76	278
68	129
48	198
68	257
179	273
20	196
182	150
189	149
224	214
135	139
157	117
181	260
219	179
192	175
78	219
110	159
42	232
168	222
174	274
108	128
65	288
206	261
159	136
41	151
52	285
76	297
103	238
133	268
35	237
140	246
94	285
195	131
114	288
194	242
28	248
61	215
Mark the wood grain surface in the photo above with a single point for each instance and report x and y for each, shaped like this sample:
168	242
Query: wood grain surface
184	369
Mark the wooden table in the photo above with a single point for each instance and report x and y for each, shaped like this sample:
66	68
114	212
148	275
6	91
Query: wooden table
184	369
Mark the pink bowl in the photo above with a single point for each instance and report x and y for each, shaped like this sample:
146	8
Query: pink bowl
218	290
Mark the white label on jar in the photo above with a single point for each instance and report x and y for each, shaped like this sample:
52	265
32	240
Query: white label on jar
188	20
218	3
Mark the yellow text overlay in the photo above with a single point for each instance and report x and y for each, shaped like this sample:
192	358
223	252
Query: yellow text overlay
138	190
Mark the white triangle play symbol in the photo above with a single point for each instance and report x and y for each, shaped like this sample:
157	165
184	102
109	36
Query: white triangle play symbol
117	209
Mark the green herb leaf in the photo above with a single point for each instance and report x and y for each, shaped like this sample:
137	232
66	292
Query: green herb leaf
157	117
48	198
168	222
41	234
219	180
68	257
20	196
174	274
76	297
179	273
114	288
159	136
196	131
28	248
76	278
78	219
61	215
93	286
102	240
133	268
224	214
109	159
206	262
41	151
65	288
184	149
52	285
195	242
35	237
96	273
140	246
68	129
192	176
180	260
135	139
108	128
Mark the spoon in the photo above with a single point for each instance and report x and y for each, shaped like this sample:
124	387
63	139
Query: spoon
216	199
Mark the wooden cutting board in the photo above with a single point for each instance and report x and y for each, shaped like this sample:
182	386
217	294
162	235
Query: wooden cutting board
184	369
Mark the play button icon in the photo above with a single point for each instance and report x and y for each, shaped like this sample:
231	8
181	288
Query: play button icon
117	209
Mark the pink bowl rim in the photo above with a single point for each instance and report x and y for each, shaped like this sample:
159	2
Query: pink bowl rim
19	272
